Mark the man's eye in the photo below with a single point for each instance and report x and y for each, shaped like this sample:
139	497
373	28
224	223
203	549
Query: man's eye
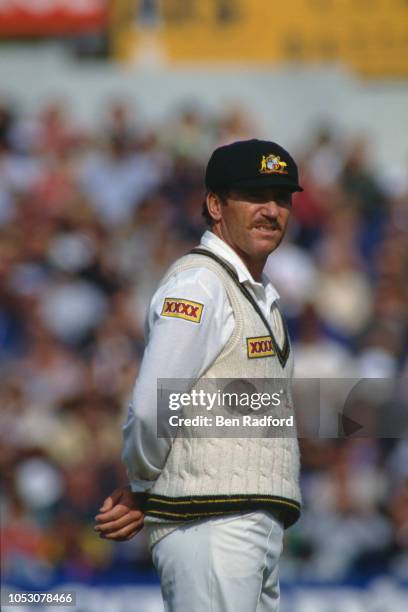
282	199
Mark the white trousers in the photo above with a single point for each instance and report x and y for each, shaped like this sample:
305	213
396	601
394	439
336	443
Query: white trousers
223	564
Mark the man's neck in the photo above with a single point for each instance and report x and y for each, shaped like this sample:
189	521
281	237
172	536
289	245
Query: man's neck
255	267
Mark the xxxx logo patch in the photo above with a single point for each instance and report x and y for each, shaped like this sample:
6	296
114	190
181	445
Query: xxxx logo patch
260	347
182	309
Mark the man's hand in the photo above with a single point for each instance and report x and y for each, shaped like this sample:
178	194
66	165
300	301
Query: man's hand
121	516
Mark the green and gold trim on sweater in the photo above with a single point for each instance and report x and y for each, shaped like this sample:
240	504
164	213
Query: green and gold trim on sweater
203	506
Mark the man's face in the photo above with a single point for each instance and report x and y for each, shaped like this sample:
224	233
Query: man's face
254	222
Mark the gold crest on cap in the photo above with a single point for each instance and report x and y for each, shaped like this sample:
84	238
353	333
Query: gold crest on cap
272	164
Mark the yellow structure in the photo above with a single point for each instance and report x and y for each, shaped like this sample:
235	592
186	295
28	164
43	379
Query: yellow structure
370	36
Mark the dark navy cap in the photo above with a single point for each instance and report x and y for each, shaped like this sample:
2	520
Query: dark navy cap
251	164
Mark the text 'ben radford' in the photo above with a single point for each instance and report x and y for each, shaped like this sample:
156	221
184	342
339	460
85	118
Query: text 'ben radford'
221	421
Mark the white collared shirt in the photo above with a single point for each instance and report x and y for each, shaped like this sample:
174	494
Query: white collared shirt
178	348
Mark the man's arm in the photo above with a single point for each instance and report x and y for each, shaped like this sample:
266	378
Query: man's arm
177	348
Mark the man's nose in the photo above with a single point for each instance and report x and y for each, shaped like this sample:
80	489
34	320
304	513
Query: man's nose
271	209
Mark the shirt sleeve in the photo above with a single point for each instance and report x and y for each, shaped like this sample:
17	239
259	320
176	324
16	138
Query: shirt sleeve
189	322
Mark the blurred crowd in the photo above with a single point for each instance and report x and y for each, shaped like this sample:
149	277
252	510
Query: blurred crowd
89	221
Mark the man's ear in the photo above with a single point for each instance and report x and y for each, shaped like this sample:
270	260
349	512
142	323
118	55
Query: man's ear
214	205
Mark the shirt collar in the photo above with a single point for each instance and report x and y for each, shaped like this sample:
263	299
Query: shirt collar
213	243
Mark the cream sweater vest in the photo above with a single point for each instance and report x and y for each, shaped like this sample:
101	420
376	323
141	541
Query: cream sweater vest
206	477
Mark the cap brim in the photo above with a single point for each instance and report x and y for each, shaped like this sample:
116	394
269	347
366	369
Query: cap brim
268	181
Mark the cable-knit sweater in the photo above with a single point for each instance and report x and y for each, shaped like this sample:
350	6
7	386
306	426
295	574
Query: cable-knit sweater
205	476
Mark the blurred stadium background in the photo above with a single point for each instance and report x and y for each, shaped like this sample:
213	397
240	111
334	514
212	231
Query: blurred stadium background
108	111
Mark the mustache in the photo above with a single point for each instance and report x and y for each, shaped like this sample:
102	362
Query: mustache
270	224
